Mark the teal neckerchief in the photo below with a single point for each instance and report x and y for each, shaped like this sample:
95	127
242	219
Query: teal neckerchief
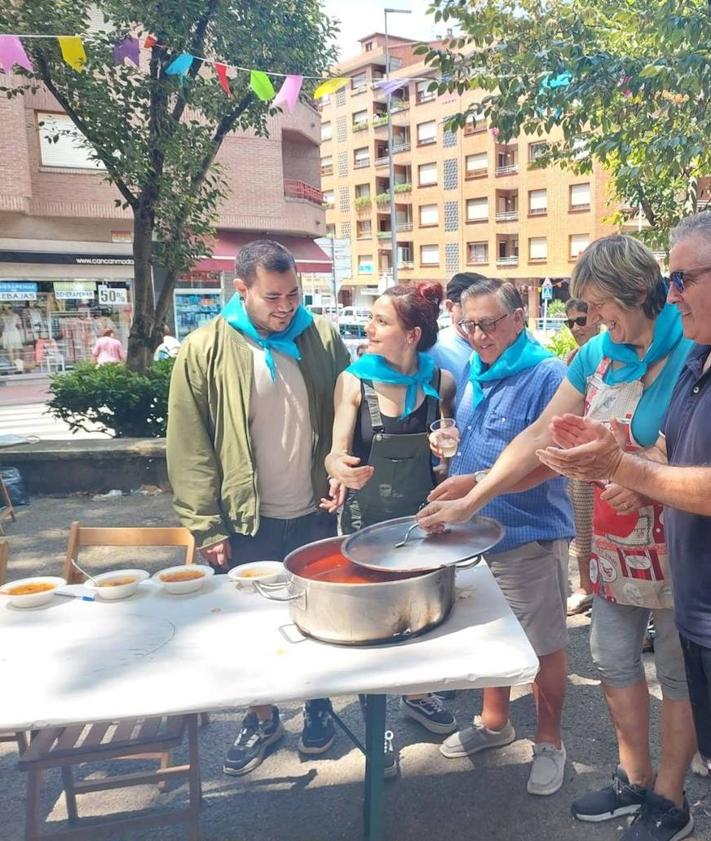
236	316
667	333
524	353
376	368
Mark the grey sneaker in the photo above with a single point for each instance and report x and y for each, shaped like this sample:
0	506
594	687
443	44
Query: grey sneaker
430	713
547	770
476	738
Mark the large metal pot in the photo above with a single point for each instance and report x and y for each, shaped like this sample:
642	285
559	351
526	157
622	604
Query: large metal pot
357	614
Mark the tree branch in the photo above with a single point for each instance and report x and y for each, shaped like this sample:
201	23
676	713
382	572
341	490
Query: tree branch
197	47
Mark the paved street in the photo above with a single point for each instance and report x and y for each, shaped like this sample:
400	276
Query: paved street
291	799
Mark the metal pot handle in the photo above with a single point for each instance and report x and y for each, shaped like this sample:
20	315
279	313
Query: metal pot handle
264	590
472	562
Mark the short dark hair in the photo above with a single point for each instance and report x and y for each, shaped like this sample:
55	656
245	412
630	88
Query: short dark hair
266	254
460	282
573	304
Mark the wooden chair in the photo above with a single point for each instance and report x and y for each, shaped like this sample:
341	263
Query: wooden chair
6	736
6	509
83	536
65	747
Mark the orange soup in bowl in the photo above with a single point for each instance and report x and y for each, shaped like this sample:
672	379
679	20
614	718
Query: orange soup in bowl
182	575
117	582
30	589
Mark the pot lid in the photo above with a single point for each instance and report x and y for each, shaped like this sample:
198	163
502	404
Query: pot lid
375	546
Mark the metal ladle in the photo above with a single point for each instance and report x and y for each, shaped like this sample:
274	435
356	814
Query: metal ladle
83	572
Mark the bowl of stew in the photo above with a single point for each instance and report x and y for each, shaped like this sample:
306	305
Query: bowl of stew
30	592
265	572
185	578
118	584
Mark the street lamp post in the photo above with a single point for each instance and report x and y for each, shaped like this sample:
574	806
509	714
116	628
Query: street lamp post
391	165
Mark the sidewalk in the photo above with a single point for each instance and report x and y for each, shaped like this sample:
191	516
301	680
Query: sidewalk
289	799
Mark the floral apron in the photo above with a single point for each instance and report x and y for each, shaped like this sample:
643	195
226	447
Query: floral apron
629	562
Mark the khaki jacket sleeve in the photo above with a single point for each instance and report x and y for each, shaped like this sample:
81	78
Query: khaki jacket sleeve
193	467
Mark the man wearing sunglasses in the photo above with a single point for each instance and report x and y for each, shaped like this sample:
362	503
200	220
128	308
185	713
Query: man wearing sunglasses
676	471
577	321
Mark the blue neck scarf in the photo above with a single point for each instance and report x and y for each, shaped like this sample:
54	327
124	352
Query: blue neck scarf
377	369
524	353
667	333
236	316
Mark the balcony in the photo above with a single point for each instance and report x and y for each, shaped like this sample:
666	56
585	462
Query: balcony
511	260
301	191
403	226
361	125
425	96
537	211
381	161
361	163
506	215
407	265
509	169
327	170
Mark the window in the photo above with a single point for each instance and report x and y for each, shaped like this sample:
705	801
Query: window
537	202
362	191
368	48
427	133
477	253
327	165
477	165
429	255
580	149
536	150
474	123
429	215
427	174
360	119
329	198
70	150
578	244
580	196
478	210
364	229
538	248
326	131
359	82
421	92
361	157
365	264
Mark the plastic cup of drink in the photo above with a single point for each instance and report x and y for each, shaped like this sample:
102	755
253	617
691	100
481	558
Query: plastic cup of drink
445	436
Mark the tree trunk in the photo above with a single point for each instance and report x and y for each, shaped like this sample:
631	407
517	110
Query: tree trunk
142	335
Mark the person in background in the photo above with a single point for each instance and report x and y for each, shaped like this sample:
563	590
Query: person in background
107	349
581	493
452	349
627	373
169	347
249	425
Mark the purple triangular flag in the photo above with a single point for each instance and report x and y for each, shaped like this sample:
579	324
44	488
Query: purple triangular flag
128	48
12	52
389	86
289	92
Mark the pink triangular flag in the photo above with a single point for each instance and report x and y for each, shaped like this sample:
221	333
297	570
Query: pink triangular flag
289	92
12	52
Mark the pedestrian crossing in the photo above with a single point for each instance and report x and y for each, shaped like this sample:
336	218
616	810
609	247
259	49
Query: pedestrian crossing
32	419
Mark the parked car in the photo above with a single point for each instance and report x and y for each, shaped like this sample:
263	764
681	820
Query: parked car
331	313
352	321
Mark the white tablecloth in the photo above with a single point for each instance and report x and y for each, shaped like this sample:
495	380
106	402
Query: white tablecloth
73	661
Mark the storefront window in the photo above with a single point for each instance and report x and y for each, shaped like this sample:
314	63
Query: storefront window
194	307
49	326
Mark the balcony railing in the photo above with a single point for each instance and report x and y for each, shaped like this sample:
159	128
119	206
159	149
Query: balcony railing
385	235
537	211
509	169
401	147
360	164
302	191
404	226
361	125
507	215
427	96
507	261
381	161
327	170
475	260
407	265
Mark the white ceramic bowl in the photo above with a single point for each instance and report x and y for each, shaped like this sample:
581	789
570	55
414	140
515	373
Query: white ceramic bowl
117	591
265	572
189	584
31	599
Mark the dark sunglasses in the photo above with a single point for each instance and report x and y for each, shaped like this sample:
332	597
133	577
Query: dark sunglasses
681	278
581	321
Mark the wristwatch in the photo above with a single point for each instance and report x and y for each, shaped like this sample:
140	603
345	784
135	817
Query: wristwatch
480	475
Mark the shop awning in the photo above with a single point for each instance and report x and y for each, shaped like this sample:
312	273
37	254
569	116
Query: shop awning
309	257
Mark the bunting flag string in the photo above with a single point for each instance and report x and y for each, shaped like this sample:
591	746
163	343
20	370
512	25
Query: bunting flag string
72	51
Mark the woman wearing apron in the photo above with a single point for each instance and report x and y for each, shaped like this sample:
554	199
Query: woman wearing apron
385	402
628	373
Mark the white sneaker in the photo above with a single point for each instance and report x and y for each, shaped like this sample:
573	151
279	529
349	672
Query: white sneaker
476	738
578	603
547	769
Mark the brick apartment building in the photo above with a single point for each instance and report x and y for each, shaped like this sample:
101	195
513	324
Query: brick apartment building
65	248
464	201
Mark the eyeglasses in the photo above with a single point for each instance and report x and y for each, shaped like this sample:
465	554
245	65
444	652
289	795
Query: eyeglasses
487	326
680	279
581	321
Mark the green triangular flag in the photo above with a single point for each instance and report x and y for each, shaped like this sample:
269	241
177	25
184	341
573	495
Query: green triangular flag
261	84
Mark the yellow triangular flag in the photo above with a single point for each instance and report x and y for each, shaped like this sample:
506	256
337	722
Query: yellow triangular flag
72	51
330	86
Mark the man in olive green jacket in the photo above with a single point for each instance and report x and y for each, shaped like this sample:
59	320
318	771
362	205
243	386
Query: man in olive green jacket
249	426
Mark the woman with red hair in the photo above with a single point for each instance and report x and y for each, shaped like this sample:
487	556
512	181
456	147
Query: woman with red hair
380	463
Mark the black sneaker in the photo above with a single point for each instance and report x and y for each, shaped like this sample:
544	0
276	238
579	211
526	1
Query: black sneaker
659	820
251	745
445	694
319	731
620	798
389	757
430	713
